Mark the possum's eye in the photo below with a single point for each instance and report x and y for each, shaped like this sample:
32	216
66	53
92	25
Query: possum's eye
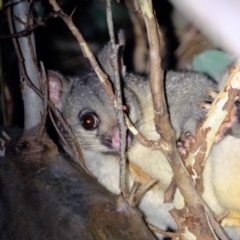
89	121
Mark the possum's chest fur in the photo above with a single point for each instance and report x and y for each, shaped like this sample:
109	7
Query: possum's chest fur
221	176
221	180
102	167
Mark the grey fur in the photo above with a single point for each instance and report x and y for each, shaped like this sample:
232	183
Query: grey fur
184	90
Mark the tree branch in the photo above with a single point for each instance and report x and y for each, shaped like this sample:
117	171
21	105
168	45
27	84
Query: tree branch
120	115
32	104
192	207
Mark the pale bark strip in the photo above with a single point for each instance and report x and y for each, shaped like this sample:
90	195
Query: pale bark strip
222	105
192	208
32	103
206	133
120	115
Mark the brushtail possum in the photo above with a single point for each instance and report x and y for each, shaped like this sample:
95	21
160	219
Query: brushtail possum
92	117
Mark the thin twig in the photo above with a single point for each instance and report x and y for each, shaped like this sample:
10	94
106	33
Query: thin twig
33	51
101	75
170	191
29	20
79	159
29	29
172	235
221	216
118	93
86	51
143	189
19	55
6	136
214	223
63	139
73	12
132	193
144	141
45	105
185	184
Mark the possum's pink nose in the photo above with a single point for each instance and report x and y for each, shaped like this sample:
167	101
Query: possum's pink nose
116	138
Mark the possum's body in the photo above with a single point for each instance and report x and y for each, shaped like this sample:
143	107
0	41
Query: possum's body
82	101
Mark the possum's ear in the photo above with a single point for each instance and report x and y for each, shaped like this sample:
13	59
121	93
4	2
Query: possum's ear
105	57
55	88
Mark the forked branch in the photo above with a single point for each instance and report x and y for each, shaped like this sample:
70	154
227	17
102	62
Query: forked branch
193	205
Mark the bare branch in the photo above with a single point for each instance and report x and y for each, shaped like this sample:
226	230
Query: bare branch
29	29
144	141
86	51
138	191
172	235
120	115
35	64
143	189
28	83
64	140
78	158
193	202
101	75
6	135
32	103
132	194
45	105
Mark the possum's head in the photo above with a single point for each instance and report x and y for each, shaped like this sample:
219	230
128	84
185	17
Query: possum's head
88	110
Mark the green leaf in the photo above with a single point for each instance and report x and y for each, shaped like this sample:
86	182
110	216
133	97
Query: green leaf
212	62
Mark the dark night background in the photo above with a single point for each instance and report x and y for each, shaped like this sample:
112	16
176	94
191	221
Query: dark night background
58	49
